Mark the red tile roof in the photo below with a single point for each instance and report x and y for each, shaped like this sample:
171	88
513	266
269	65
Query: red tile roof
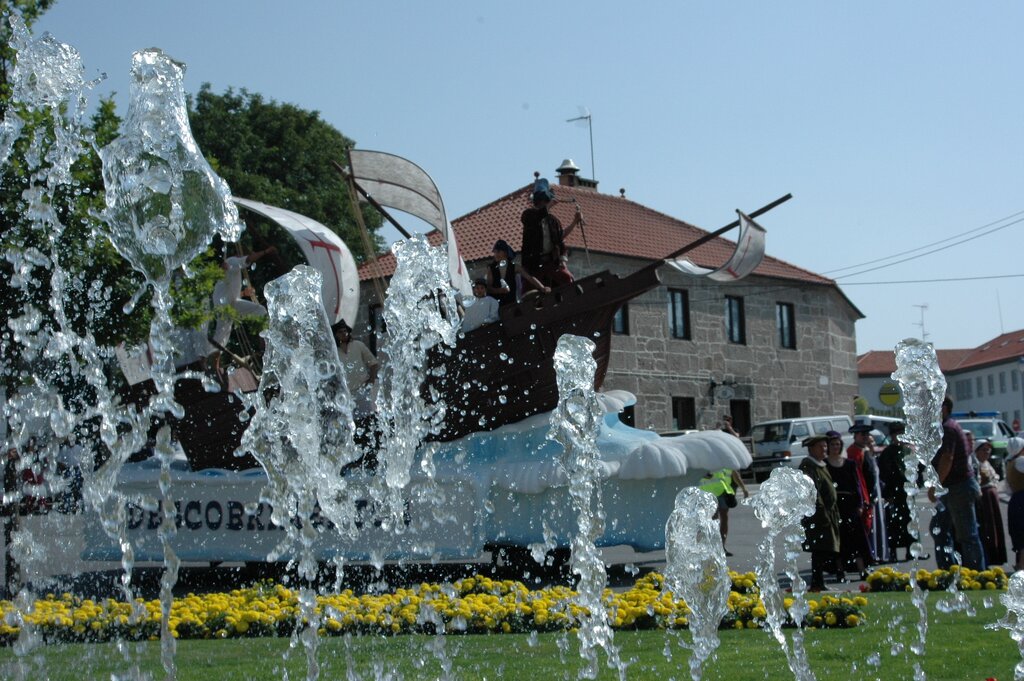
614	225
883	362
1007	347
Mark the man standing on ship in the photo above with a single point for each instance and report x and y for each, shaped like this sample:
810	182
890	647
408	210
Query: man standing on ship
544	255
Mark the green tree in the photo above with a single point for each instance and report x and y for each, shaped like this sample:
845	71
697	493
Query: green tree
279	154
29	11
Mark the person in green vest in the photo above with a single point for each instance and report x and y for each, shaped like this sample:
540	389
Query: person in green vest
721	484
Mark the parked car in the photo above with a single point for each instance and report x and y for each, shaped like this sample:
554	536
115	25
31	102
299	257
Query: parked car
988	425
777	443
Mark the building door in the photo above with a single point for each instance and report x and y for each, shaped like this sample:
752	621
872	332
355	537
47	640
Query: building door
740	410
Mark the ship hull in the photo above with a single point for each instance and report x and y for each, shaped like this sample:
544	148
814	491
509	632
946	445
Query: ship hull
496	375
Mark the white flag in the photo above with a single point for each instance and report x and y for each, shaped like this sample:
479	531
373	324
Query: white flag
745	259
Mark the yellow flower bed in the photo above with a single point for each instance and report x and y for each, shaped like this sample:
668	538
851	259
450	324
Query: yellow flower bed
472	605
888	579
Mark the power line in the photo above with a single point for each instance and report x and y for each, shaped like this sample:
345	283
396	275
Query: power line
934	243
935	250
932	281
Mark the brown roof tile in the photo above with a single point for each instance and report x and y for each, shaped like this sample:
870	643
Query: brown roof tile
1008	346
614	225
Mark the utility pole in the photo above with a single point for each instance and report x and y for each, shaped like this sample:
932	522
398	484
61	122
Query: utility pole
923	307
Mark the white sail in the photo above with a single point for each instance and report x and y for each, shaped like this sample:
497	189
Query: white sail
744	260
325	251
395	182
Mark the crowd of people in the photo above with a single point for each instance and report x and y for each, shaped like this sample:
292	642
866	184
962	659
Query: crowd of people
862	513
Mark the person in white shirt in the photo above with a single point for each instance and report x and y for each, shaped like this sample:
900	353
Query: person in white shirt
228	291
360	368
481	310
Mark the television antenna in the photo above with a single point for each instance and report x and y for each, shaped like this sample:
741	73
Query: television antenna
585	115
922	307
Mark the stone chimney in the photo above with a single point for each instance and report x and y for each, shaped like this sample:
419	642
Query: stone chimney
569	176
568	173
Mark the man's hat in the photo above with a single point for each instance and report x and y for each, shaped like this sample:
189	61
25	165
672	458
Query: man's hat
897	429
860	428
980	442
812	440
542	191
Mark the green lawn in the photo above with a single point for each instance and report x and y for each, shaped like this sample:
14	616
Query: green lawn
959	648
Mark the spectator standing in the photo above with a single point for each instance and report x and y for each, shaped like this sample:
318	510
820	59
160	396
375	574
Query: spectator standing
722	484
990	516
1015	511
953	464
877	534
850	504
855	453
727	426
892	472
821	530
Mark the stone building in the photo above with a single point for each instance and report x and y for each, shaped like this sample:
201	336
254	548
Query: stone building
779	343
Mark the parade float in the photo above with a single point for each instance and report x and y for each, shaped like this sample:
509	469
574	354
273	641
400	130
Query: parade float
495	470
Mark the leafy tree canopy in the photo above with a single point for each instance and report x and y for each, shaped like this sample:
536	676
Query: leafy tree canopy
279	154
29	11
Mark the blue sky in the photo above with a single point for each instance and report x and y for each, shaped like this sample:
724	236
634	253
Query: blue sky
894	125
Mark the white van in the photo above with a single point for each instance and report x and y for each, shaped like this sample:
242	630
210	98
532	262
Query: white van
777	443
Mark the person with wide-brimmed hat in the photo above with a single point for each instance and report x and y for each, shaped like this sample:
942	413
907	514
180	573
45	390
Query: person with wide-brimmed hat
866	470
821	530
544	254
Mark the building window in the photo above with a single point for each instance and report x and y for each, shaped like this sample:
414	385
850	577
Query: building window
684	412
1002	381
620	322
679	313
735	324
991	384
1014	381
980	386
790	410
785	322
962	389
